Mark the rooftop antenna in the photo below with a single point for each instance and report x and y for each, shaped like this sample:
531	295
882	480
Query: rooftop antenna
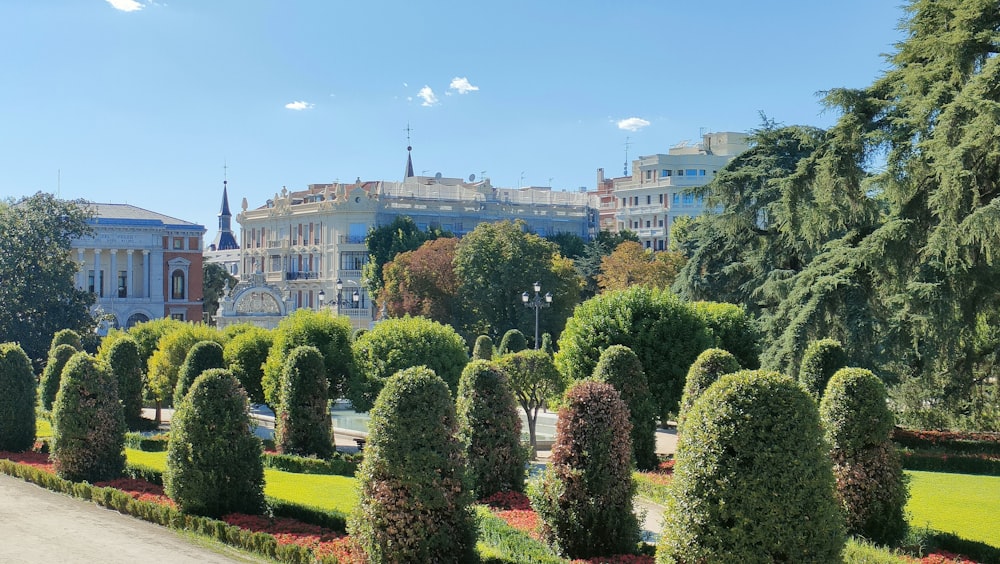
701	131
625	166
521	181
550	182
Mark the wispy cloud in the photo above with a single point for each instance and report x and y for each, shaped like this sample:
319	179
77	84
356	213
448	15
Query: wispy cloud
632	124
126	5
462	85
299	105
428	96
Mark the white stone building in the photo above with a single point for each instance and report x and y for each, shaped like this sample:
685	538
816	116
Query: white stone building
656	196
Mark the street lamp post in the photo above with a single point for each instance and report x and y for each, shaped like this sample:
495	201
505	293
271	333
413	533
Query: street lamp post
537	303
322	297
340	294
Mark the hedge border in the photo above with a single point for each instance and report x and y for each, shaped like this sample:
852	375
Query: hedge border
937	461
950	441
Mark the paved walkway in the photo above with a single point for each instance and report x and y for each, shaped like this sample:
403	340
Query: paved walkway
37	525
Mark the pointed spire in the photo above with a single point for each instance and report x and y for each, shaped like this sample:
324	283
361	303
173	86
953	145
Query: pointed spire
225	201
409	163
224	239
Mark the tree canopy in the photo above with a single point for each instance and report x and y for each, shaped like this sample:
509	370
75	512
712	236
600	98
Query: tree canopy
37	272
422	282
387	241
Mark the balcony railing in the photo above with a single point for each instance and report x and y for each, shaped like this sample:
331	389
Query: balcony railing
352	239
301	275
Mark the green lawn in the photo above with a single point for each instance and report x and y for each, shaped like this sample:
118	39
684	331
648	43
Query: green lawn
963	504
315	490
43	429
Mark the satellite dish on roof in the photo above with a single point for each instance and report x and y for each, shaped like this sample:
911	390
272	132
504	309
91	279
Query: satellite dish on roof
437	175
472	178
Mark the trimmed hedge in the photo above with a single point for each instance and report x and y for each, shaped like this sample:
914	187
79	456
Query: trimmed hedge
201	357
414	503
490	430
338	465
153	443
584	499
17	399
124	362
734	330
320	329
512	341
214	462
753	480
710	365
245	354
665	332
302	421
483	349
620	367
88	427
948	441
400	343
48	387
820	361
66	337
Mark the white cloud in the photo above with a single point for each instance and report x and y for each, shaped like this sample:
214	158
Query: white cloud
428	96
299	105
632	124
462	85
126	5
405	85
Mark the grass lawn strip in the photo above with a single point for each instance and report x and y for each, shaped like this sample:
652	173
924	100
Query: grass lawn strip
316	490
963	504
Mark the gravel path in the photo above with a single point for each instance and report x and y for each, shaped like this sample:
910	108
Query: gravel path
37	525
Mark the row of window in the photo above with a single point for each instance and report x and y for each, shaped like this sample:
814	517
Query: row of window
676	199
178	289
178	243
677	172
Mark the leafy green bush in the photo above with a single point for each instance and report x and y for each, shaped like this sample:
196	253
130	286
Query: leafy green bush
513	341
734	330
871	485
51	375
403	342
547	346
66	337
88	427
123	360
414	504
245	354
821	359
202	356
171	352
665	333
17	399
752	479
214	462
710	365
483	349
302	423
620	367
490	430
320	329
584	499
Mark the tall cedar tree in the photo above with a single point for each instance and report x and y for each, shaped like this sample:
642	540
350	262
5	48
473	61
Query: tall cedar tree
302	422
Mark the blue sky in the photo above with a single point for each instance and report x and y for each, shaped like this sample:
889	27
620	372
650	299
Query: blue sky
143	101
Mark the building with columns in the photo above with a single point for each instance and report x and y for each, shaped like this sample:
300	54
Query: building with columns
141	265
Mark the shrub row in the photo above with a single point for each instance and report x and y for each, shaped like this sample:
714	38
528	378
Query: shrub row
956	464
148	443
973	443
259	543
339	465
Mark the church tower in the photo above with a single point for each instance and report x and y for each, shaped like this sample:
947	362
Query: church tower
224	240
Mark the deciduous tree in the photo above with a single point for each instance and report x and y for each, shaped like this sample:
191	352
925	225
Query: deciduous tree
422	282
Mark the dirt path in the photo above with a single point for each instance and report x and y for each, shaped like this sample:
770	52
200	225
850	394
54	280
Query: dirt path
37	525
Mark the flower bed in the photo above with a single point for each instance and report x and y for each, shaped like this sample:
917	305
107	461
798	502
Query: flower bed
34	459
321	541
141	490
951	441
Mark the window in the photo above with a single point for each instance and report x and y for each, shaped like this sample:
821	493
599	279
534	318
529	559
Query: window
666	172
177	316
177	285
122	283
701	172
623	203
647	224
661	223
178	243
648	244
690	172
661	198
99	288
275	263
688	199
649	175
353	260
660	242
675	199
649	199
680	172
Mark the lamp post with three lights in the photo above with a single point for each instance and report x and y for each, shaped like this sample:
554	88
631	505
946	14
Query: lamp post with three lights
537	303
